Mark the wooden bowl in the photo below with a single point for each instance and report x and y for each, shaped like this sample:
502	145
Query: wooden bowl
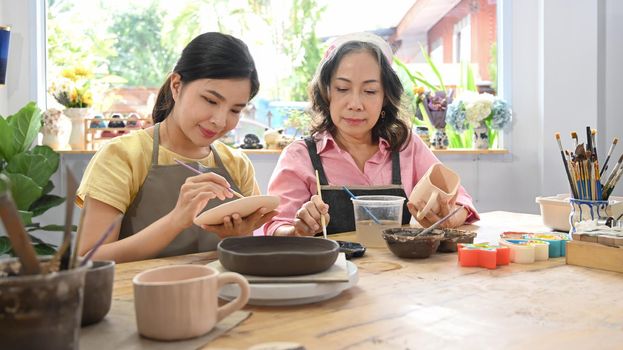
277	256
404	242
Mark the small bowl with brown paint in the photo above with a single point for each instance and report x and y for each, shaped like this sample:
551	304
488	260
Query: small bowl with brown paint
404	242
452	237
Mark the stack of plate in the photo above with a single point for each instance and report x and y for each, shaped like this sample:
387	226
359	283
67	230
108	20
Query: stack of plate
286	270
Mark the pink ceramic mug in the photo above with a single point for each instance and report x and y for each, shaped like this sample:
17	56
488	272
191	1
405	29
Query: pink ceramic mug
181	301
438	184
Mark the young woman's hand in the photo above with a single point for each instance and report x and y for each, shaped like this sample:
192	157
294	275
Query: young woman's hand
431	217
235	225
194	196
307	220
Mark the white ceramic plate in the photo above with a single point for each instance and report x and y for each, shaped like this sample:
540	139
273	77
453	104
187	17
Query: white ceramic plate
283	294
243	206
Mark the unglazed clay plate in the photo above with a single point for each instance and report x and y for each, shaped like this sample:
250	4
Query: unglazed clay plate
284	294
243	206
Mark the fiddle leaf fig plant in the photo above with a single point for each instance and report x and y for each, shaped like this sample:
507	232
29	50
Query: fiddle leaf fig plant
28	170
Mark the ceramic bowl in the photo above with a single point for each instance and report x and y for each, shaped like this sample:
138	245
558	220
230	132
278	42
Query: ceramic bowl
404	242
452	237
98	284
277	256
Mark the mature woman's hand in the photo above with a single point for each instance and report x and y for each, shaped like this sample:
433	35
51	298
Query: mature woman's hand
307	220
431	217
194	196
235	225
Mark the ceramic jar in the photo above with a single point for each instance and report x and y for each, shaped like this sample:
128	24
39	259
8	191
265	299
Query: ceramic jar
422	132
440	139
77	115
56	130
480	138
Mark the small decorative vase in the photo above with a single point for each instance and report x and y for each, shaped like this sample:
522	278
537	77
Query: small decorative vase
56	130
422	132
481	137
440	139
77	115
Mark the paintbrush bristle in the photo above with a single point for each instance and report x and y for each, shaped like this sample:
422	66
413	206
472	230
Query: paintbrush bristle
557	136
615	141
574	135
594	132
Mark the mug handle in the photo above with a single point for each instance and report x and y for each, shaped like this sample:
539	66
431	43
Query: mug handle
431	201
240	301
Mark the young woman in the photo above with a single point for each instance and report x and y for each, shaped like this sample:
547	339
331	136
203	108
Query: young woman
137	175
358	141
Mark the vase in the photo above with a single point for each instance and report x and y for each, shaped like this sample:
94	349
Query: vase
480	138
77	115
56	130
422	132
440	139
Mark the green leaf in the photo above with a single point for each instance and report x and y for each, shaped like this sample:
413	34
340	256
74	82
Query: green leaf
5	245
434	68
471	82
26	124
26	217
7	150
52	157
57	228
34	166
48	188
44	203
24	190
44	249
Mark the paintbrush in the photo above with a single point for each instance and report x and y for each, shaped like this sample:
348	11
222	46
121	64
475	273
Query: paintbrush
605	166
322	219
74	253
580	157
564	161
200	173
57	256
102	239
574	172
574	136
352	196
72	187
440	221
613	178
20	241
589	139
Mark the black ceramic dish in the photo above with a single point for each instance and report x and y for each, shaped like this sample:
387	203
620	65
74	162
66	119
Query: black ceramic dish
351	249
451	237
404	242
277	256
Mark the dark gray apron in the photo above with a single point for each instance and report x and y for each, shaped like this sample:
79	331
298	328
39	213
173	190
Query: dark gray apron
158	196
340	206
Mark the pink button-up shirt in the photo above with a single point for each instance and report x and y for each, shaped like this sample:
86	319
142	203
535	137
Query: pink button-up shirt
294	178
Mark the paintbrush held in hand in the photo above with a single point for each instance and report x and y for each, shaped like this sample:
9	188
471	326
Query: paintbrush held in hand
583	171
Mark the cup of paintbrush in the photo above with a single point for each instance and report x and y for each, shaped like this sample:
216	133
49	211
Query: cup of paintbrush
564	161
196	171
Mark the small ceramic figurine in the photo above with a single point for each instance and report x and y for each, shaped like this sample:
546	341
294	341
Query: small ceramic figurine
422	132
440	139
251	141
275	139
98	123
116	123
133	121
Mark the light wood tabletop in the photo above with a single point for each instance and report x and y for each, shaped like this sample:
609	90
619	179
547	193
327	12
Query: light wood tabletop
434	303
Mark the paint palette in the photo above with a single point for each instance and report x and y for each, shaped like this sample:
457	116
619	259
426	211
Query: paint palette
483	255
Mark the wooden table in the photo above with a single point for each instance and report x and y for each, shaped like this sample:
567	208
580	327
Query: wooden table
434	303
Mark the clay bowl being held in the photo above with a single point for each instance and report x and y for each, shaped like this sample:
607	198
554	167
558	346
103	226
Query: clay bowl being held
98	284
404	242
277	256
453	236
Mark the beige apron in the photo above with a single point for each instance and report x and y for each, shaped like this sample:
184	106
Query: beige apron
158	196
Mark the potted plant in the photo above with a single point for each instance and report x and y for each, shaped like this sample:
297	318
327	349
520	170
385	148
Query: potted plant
29	170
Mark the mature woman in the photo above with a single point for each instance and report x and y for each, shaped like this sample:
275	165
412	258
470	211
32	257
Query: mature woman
137	175
358	141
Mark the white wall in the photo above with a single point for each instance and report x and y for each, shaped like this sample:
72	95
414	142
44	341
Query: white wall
564	72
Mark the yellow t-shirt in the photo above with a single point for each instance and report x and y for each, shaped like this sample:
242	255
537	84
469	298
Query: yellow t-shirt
118	170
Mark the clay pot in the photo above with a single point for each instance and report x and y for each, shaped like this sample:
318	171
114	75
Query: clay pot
98	291
404	242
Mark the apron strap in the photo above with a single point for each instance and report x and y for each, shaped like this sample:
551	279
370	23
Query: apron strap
315	159
217	158
396	168
156	145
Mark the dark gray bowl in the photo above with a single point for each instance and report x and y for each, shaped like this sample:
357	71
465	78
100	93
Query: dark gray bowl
98	285
405	243
452	237
277	256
